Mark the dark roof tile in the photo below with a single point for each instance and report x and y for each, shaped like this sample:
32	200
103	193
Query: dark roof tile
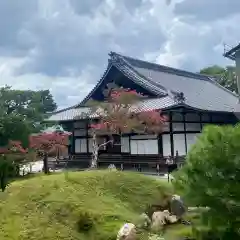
200	91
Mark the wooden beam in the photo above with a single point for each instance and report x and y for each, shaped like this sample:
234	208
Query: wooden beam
210	117
171	134
73	139
185	134
87	136
201	124
160	145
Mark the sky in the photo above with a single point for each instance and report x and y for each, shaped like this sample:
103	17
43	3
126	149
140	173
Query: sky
63	45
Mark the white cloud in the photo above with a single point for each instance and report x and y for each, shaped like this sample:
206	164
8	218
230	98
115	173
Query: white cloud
66	90
62	45
196	44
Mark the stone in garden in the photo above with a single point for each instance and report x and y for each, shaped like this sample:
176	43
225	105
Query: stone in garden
177	206
127	232
155	237
144	221
158	221
112	167
172	219
169	218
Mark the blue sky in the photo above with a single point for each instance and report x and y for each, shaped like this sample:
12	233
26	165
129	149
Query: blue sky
63	45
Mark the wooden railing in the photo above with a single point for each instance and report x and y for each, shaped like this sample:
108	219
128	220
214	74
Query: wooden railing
150	162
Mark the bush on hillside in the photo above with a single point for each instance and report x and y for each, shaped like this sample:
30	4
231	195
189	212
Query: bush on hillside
211	177
7	171
85	222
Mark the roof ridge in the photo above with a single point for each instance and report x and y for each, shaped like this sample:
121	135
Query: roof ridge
212	79
202	76
62	110
169	92
67	108
162	67
149	80
96	86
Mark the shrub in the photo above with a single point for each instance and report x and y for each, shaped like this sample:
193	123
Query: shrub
184	233
211	178
85	222
7	171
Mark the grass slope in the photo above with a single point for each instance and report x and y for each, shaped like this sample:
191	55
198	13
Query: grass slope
52	207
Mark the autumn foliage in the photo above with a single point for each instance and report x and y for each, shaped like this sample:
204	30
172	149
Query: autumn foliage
121	114
11	157
50	143
13	146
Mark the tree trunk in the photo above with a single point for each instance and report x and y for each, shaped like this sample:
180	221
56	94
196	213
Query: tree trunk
30	167
95	151
96	147
45	163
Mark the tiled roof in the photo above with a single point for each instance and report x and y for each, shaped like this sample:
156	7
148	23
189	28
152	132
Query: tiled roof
131	73
155	103
83	112
200	91
231	53
68	114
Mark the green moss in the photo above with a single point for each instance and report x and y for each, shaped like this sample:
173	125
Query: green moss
85	205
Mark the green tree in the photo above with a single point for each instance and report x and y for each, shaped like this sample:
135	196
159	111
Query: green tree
210	178
21	111
15	127
224	76
29	103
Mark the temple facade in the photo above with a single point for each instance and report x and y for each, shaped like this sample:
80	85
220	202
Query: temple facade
190	101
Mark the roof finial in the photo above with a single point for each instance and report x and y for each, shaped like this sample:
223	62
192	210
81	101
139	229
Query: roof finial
113	56
179	97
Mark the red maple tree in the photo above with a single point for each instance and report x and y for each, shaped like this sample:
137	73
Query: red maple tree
49	144
13	146
121	114
16	152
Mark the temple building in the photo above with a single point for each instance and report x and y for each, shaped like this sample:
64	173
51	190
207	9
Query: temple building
190	100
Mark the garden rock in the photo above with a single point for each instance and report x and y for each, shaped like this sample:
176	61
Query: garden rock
170	218
112	167
155	237
127	232
177	206
143	221
158	220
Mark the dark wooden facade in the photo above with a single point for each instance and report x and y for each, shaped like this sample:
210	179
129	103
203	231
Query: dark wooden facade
185	122
179	134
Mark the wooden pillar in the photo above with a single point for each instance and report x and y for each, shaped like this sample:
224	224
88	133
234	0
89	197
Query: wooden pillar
87	136
73	139
129	140
210	117
201	124
160	145
185	134
171	134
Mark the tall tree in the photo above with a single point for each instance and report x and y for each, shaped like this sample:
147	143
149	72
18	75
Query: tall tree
27	102
119	114
21	111
224	76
